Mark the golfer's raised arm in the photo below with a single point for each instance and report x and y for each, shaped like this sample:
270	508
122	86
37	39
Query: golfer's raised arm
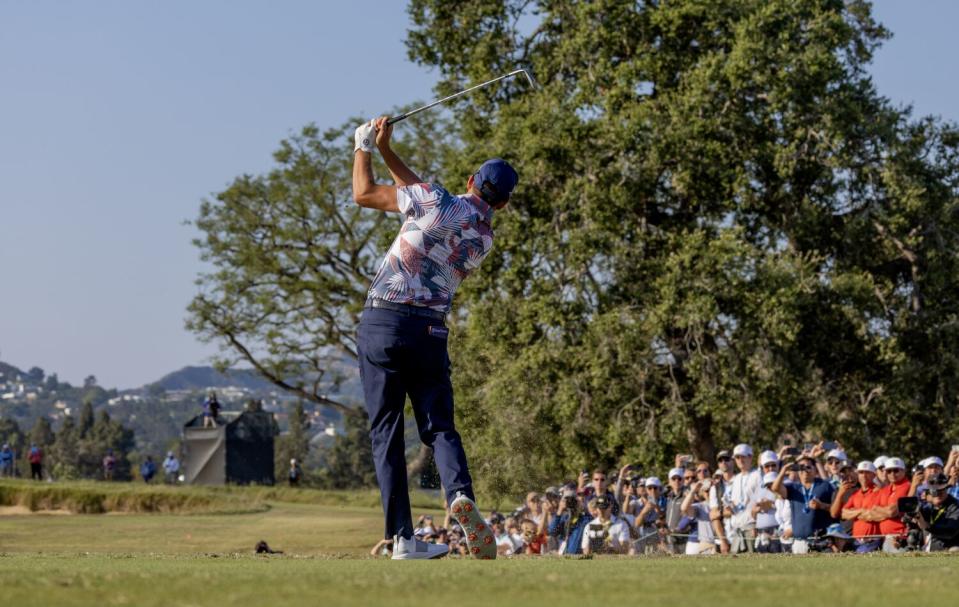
366	192
401	173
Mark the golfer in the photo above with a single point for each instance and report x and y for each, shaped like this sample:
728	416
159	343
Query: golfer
401	340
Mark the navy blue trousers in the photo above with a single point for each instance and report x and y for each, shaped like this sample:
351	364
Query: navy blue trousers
402	355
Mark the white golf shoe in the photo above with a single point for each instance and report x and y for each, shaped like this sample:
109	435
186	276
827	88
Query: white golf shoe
408	549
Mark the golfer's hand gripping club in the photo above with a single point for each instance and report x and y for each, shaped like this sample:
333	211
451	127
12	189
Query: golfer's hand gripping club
364	138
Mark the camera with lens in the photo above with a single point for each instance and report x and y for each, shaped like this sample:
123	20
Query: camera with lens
908	506
597	534
909	509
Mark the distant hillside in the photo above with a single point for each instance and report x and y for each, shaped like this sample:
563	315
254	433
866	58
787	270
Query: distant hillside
198	378
9	371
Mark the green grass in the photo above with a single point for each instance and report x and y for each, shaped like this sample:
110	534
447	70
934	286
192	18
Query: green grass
147	580
91	497
206	559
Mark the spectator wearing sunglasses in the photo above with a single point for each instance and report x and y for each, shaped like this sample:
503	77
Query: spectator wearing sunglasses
768	462
654	506
764	511
745	490
836	461
569	523
859	507
886	511
880	464
809	502
848	485
676	522
931	467
720	495
939	515
696	506
599	486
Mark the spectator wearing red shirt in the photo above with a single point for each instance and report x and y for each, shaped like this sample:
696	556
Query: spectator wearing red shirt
36	462
886	511
858	507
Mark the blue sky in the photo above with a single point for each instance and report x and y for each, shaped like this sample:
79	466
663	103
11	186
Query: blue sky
117	118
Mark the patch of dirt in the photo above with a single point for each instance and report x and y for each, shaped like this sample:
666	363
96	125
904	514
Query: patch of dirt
21	510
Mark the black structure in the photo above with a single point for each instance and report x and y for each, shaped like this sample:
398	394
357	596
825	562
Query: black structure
238	451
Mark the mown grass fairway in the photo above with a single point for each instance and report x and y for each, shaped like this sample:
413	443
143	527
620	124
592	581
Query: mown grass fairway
206	559
146	579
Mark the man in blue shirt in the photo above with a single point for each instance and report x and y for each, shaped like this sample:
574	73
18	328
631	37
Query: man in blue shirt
809	501
569	523
6	460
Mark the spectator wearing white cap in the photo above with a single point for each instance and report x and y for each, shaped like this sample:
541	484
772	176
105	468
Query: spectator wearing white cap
836	460
886	511
764	511
768	462
880	464
931	467
745	489
696	506
653	508
859	506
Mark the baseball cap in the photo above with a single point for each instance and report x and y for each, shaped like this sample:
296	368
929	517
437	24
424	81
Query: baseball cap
866	466
552	492
495	180
837	454
602	502
880	462
895	463
722	454
835	530
653	482
932	461
676	472
742	449
939	481
769	478
768	457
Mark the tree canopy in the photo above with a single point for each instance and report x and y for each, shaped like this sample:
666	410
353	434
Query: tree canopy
723	232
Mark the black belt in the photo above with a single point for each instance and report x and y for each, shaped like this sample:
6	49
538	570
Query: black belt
382	304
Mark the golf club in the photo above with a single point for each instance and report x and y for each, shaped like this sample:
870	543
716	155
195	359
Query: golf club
396	119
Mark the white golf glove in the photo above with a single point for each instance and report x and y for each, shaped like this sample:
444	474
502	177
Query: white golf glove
365	138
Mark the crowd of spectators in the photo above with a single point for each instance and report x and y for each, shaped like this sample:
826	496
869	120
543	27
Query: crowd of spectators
796	501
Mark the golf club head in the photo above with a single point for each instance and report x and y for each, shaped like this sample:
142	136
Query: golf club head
532	83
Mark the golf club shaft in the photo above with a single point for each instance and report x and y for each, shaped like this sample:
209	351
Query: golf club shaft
396	119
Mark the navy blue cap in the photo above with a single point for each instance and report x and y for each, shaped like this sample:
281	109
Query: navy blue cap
495	180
